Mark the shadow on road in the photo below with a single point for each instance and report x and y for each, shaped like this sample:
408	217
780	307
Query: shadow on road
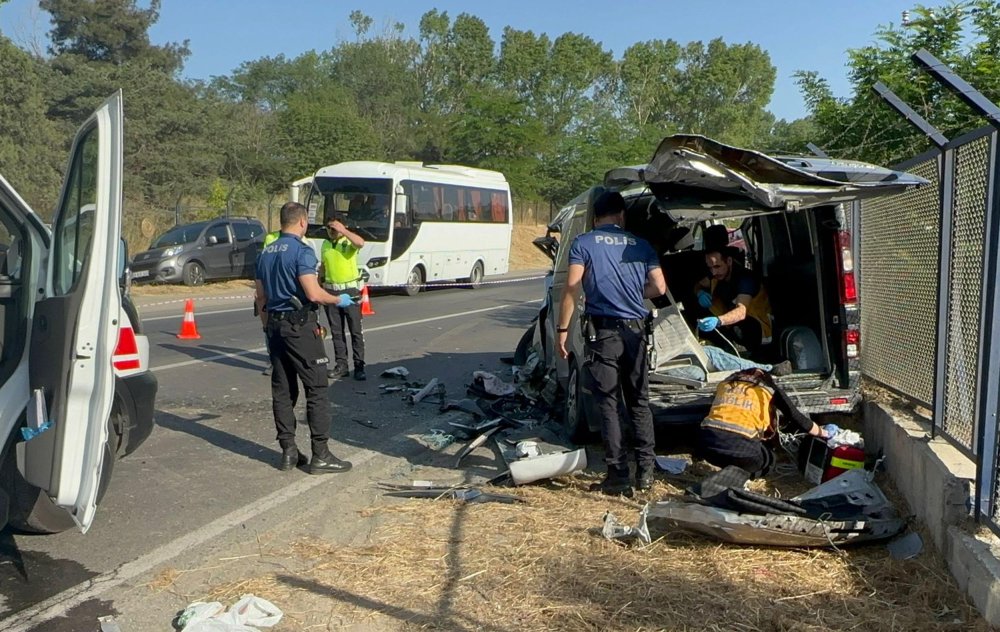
201	352
219	438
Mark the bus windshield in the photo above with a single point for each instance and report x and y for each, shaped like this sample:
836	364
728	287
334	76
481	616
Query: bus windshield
362	204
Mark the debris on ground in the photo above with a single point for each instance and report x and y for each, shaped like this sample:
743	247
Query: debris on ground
415	398
671	465
612	529
108	624
464	494
367	424
396	371
437	439
247	615
845	510
906	547
492	384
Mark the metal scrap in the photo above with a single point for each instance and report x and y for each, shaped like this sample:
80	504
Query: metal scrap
612	529
475	443
469	495
424	392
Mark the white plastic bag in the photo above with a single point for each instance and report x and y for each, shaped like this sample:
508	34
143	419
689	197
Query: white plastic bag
248	612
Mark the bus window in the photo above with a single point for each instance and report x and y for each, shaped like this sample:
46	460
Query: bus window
362	204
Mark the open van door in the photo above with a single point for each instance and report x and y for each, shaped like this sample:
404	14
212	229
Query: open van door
75	325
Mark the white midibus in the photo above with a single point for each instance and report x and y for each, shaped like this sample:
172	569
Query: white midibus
420	223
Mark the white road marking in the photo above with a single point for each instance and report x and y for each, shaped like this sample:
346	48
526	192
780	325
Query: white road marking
236	354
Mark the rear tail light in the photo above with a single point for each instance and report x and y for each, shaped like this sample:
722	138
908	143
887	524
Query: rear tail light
126	356
848	284
838	401
852	341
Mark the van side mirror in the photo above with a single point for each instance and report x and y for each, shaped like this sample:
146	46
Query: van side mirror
212	240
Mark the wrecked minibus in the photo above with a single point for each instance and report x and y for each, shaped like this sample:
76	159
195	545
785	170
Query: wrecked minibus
794	215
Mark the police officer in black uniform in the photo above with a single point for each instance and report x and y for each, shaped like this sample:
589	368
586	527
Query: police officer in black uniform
616	271
289	291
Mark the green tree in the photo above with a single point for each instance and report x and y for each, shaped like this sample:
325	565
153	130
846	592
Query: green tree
30	158
964	35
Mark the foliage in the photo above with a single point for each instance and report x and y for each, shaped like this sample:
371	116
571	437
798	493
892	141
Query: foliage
963	35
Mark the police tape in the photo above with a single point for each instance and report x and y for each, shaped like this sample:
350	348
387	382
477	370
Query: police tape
433	284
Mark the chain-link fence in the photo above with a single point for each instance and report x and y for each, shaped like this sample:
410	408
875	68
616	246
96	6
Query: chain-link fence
900	238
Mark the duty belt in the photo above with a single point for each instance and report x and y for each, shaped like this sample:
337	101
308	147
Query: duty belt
340	287
608	322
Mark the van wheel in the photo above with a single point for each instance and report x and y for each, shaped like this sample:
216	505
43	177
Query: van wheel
414	282
194	274
574	419
475	279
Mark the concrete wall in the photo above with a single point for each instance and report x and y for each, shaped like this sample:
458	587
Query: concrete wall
937	482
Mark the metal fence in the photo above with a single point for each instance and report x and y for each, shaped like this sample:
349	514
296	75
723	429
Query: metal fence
930	286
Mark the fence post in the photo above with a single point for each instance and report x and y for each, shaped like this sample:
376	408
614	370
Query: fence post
988	407
988	362
947	196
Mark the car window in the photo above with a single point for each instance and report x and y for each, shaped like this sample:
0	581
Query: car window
75	228
246	231
219	232
179	235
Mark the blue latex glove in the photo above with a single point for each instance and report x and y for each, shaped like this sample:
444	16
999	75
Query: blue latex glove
345	301
708	324
704	299
830	430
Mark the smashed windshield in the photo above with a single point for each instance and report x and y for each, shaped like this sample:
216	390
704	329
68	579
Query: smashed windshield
179	235
362	204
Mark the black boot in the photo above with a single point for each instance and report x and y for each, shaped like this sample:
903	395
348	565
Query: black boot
325	463
644	479
615	483
290	458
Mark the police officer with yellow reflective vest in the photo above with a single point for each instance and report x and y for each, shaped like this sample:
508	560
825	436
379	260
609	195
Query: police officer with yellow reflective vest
743	418
339	269
616	271
287	287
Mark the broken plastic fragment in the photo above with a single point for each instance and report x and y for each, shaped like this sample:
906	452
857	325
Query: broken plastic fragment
614	530
396	371
671	465
30	433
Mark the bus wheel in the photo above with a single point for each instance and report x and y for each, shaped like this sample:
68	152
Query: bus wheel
476	276
414	282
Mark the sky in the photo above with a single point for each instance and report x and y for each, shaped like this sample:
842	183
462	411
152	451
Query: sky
799	34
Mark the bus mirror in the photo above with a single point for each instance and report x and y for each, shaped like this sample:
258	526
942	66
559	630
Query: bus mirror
402	204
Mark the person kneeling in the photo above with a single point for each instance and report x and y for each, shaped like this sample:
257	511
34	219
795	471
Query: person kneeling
743	417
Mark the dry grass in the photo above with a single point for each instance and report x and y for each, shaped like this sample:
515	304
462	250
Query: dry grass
539	566
236	286
523	254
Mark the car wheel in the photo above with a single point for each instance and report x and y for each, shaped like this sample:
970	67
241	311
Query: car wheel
574	420
194	274
476	276
414	282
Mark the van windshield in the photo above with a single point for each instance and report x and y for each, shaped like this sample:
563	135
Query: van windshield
179	235
362	204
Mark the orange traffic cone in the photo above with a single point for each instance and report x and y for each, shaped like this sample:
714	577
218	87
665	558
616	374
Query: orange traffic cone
189	331
366	303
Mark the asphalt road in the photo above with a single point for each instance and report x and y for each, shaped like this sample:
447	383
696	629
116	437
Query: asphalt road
209	466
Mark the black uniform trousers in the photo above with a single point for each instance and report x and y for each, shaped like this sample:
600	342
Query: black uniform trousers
721	448
617	366
342	318
297	353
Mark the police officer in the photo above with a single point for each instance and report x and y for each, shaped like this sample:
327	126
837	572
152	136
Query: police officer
339	266
269	239
743	417
616	271
287	287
